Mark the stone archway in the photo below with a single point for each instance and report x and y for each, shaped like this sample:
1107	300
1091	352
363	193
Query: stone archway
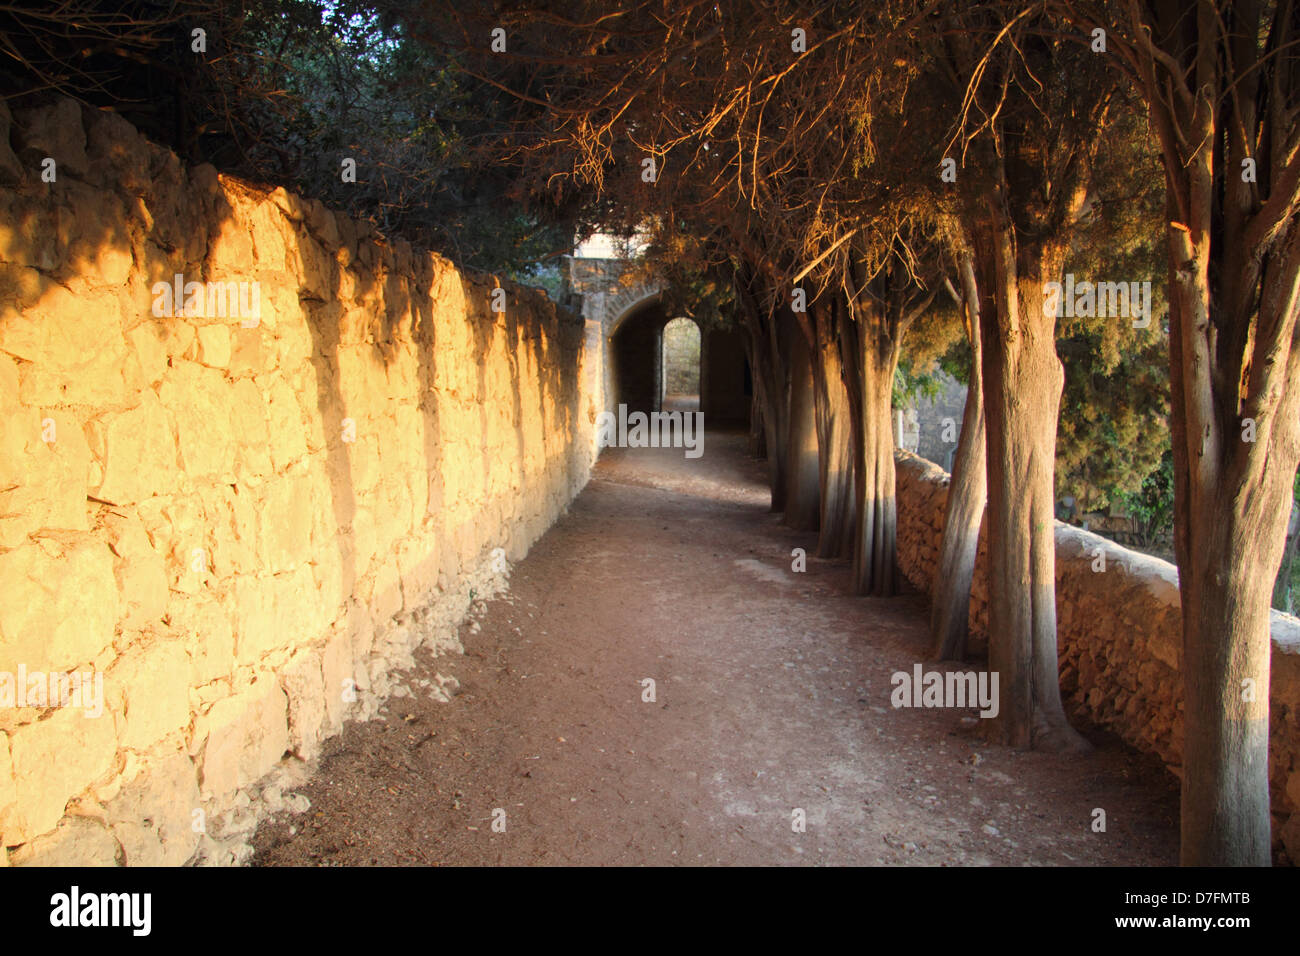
630	301
609	293
611	289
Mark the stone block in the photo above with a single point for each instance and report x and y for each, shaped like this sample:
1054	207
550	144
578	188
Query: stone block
270	231
153	817
198	400
209	639
45	464
148	343
8	792
76	842
305	689
286	522
254	619
214	345
311	267
230	515
147	688
299	614
417	561
118	153
141	575
139	453
364	541
284	421
249	356
230	243
58	606
386	595
247	734
92	228
52	334
54	760
336	675
323	223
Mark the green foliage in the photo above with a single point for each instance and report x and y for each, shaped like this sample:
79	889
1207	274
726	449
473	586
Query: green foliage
1113	427
913	383
935	344
1151	507
548	277
956	362
359	85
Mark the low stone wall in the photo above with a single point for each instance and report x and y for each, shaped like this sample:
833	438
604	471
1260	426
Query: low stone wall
242	521
1119	638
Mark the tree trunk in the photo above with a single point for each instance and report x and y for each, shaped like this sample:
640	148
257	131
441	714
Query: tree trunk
870	378
802	480
1232	504
834	435
1218	98
769	378
875	570
775	435
757	409
950	604
757	428
1022	389
757	413
1227	654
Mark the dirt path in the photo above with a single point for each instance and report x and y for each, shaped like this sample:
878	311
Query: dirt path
771	694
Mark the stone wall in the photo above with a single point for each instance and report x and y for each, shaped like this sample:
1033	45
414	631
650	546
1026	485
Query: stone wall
681	372
1119	638
243	523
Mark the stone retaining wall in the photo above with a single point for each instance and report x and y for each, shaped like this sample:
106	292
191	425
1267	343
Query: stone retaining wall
1119	637
242	523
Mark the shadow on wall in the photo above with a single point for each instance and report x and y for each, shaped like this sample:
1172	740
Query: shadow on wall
245	522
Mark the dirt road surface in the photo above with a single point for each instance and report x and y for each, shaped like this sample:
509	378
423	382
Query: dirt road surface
771	706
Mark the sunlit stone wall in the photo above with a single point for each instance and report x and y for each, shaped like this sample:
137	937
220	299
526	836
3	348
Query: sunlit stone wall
240	519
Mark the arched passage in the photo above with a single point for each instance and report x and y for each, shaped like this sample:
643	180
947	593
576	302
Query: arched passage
635	356
638	372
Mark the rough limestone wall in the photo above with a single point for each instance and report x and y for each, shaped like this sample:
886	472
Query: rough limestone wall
244	527
1119	637
681	358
